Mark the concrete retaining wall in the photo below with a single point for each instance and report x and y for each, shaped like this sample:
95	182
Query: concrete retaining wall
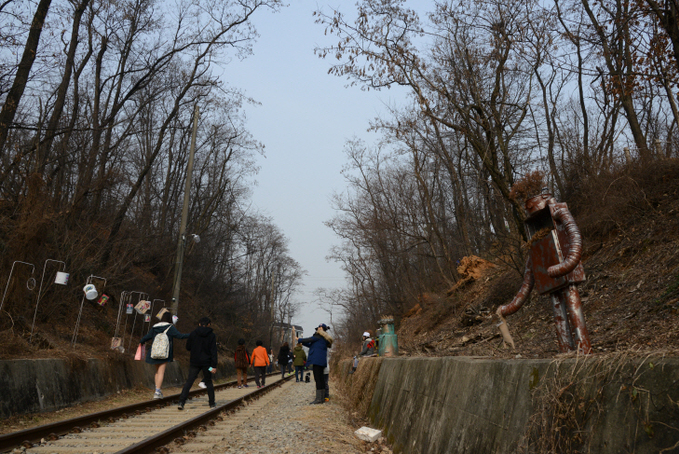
477	405
30	386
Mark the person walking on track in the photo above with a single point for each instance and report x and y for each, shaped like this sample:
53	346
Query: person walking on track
242	360
260	359
159	355
202	344
298	362
284	358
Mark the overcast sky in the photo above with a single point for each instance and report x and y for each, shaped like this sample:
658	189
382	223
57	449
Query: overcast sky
304	119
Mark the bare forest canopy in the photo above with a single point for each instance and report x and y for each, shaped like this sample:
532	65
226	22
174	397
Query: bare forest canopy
507	97
96	122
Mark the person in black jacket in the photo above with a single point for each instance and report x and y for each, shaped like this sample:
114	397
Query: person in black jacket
284	358
202	344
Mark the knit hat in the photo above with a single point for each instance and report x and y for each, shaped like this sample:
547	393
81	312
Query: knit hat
366	334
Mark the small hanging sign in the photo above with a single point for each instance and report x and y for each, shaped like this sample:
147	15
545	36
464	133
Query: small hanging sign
116	343
160	313
143	306
103	300
129	308
147	318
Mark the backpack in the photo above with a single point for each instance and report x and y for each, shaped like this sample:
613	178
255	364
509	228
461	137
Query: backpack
161	345
371	344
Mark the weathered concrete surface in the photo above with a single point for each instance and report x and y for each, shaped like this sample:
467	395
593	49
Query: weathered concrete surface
29	386
479	405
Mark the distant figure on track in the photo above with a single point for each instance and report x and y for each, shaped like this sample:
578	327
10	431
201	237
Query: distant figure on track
260	359
164	326
298	362
269	368
284	358
202	344
242	360
318	345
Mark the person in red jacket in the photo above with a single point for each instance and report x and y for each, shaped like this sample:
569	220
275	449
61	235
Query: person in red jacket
260	359
242	360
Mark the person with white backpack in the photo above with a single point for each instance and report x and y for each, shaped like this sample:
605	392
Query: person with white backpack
160	353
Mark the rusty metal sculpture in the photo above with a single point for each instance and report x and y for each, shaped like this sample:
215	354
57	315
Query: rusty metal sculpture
554	267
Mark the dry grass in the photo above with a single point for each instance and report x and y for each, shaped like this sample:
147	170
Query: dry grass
572	403
358	388
337	431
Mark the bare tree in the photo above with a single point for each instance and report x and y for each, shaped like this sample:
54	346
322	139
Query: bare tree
11	104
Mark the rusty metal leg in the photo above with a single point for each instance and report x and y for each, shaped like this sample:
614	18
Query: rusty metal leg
577	319
563	331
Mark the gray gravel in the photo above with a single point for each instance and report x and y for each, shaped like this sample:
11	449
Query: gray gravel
286	423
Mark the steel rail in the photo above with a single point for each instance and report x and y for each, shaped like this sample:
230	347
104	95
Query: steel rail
59	428
149	445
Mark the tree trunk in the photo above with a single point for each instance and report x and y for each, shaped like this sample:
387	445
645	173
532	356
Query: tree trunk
11	105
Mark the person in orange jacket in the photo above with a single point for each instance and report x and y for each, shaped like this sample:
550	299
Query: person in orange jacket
260	359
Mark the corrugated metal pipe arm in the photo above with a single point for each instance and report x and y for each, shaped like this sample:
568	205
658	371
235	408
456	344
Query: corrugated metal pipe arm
524	291
565	217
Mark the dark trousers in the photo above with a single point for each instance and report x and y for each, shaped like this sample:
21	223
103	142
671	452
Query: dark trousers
299	373
207	379
260	371
319	377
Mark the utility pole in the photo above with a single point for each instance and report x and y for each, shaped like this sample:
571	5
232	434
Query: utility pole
185	214
271	311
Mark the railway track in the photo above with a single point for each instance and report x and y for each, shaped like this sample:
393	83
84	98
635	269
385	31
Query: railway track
146	427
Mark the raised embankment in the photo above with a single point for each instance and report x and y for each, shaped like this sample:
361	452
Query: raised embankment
30	386
614	404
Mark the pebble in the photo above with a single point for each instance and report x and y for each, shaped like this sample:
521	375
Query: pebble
289	425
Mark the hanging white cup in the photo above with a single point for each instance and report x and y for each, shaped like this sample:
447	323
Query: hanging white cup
90	292
61	278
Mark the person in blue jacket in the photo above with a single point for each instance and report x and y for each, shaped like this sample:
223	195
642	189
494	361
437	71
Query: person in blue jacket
161	364
318	345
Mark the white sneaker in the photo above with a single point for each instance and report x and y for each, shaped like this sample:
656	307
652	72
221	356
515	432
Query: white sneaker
202	385
157	395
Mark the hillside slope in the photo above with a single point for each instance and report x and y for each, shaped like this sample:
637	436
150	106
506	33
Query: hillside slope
630	226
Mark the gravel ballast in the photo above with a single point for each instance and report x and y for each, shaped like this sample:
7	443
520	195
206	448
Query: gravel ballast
284	422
